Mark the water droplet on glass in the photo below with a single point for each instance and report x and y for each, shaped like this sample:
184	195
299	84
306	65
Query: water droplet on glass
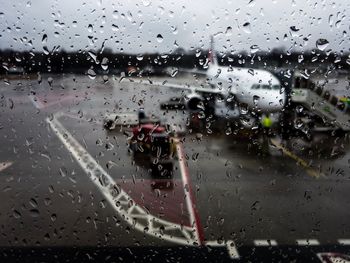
90	28
34	213
322	44
146	2
115	27
293	28
243	109
53	217
299	108
93	56
44	39
16	214
91	73
50	80
228	131
39	78
246	28
104	63
256	99
251	71
254	49
201	115
174	71
228	31
298	124
46	51
300	58
159	38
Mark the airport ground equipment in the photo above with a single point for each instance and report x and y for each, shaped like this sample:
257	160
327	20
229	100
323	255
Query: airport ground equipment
152	142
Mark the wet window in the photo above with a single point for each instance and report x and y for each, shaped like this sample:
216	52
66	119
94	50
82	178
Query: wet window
174	131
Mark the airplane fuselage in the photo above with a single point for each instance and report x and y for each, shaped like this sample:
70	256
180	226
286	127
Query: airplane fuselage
258	89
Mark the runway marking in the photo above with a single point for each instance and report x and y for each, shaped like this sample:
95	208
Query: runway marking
230	246
344	241
265	242
307	242
5	165
310	171
120	201
190	201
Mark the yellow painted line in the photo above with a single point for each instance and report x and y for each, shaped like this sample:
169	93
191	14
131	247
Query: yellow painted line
310	171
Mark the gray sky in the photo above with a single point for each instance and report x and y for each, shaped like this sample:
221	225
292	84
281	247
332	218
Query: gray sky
133	25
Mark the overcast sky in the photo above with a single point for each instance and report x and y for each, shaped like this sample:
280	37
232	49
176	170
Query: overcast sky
135	26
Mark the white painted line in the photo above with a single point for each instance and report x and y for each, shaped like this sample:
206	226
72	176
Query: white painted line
232	250
344	241
5	165
186	185
230	246
307	242
265	242
117	197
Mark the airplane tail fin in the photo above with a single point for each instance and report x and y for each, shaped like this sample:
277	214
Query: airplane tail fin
212	55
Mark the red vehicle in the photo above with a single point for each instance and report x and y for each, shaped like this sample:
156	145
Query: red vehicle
153	142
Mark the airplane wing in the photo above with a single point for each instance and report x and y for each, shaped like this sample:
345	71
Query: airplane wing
184	87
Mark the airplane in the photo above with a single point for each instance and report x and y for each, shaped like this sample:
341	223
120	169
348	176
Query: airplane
240	92
248	95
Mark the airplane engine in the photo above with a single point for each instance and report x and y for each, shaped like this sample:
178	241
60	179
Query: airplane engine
194	102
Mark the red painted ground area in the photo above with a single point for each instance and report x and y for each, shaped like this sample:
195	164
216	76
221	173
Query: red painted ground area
163	198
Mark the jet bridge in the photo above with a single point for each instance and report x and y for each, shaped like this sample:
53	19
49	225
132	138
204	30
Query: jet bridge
319	101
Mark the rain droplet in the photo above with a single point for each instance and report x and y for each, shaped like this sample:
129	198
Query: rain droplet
322	44
93	56
46	51
228	31
300	58
90	28
50	80
34	213
246	27
53	217
299	108
254	49
159	38
146	2
293	28
91	73
298	124
174	71
16	214
115	14
256	99
104	63
44	39
251	71
115	27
